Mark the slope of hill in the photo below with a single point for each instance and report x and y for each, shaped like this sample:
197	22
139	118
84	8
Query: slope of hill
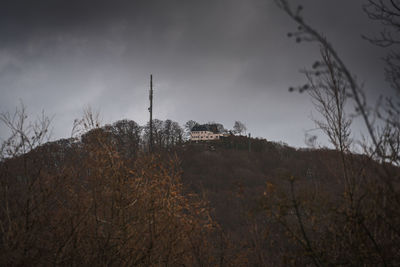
99	201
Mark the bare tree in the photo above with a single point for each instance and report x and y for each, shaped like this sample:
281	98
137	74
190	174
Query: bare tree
20	177
388	14
310	140
158	136
90	120
188	127
354	92
167	132
327	89
355	228
127	134
177	133
239	128
25	135
216	127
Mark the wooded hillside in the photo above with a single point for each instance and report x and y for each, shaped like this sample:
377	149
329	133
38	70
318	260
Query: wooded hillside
213	203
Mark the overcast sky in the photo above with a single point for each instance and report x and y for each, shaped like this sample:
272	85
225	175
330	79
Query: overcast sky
212	60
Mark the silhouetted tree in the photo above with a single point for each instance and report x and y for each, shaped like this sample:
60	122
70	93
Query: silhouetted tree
354	227
177	133
216	127
25	135
167	133
158	135
239	128
127	133
90	120
388	14
188	128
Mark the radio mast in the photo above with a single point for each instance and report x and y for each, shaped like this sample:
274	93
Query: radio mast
151	114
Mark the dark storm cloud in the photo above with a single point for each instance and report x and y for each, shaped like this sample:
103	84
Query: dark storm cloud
219	60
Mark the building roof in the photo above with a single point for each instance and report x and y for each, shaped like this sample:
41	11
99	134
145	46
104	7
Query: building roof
205	127
198	128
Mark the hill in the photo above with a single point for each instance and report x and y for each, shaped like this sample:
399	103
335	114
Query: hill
101	200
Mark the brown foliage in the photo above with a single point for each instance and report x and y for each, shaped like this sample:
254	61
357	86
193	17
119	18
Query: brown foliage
100	209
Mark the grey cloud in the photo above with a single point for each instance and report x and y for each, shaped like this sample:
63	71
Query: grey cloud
218	60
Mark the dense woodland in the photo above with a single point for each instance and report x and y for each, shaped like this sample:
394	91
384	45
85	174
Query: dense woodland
102	198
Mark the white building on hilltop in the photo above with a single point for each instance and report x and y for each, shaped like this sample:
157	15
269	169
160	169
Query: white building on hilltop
204	133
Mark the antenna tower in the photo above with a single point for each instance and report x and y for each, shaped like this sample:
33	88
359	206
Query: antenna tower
151	114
